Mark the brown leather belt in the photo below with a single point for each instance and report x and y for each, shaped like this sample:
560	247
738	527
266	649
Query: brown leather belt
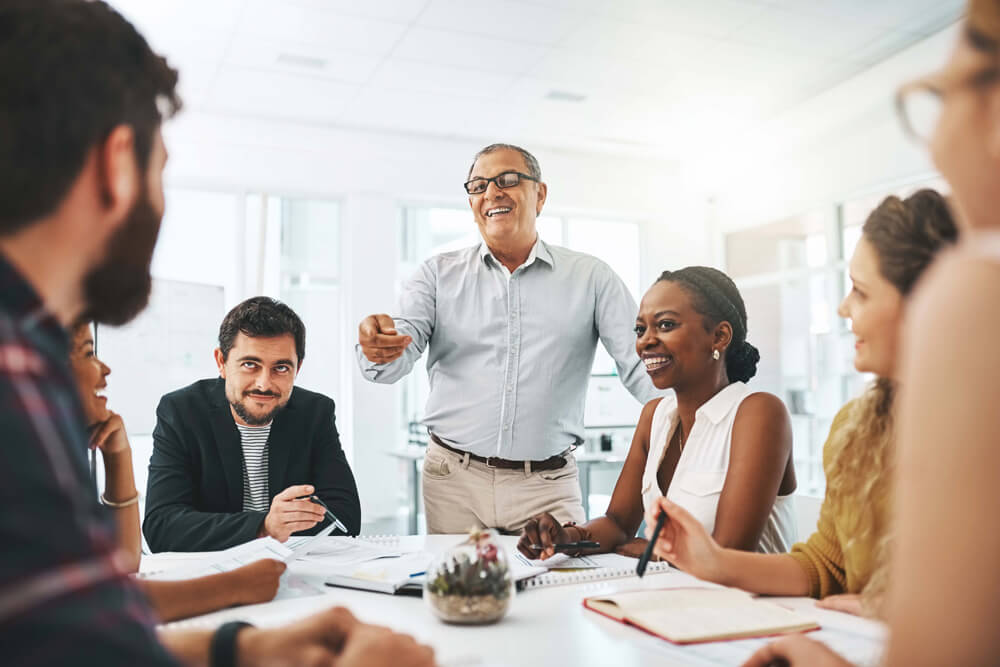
551	463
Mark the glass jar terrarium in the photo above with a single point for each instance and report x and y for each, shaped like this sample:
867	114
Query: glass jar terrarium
471	582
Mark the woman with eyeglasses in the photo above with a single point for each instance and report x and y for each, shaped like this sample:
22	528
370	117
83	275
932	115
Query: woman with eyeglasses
844	558
714	446
943	600
172	600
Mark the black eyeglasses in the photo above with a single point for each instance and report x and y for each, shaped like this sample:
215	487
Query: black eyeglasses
508	179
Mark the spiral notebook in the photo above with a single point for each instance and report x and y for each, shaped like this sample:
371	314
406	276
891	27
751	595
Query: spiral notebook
613	566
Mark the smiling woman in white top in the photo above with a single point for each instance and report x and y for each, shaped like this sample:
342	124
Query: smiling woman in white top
715	447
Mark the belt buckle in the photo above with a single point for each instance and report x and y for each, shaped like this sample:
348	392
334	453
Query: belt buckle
491	461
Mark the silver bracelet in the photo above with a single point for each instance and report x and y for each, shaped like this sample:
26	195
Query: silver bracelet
125	503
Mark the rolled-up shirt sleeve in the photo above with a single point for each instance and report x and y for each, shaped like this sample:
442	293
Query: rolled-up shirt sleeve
615	318
417	308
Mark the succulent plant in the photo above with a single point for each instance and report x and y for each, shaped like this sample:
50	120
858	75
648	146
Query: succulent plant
461	574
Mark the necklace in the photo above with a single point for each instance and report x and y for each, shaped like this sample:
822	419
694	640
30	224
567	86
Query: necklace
680	435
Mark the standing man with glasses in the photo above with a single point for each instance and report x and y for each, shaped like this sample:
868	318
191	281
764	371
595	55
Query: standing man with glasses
512	325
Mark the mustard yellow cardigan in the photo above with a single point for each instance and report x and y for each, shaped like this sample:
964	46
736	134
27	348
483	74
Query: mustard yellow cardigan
830	567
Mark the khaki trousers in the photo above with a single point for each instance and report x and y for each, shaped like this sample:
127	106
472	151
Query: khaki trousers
461	494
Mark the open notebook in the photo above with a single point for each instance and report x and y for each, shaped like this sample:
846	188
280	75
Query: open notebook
691	615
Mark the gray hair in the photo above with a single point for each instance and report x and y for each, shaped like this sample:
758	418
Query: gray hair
533	169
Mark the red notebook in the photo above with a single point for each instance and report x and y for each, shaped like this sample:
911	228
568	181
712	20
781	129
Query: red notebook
693	615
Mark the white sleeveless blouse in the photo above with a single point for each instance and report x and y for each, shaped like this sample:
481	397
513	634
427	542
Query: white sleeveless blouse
701	471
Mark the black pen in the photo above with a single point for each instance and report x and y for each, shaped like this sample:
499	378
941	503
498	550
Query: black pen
640	569
570	546
333	517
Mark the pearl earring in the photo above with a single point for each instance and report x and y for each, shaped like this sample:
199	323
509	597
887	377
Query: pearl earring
715	354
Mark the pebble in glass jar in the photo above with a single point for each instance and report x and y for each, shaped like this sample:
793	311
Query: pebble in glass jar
471	583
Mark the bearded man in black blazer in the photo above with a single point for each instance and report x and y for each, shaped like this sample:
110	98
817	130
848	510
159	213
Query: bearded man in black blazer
233	455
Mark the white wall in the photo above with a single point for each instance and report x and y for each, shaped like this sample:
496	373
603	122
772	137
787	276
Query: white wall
372	175
842	143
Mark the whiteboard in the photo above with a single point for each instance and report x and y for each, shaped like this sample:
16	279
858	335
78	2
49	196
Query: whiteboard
167	347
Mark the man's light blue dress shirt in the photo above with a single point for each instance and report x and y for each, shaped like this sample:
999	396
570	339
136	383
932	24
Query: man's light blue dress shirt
510	354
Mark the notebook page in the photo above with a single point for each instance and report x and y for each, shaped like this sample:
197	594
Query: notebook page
214	562
693	614
342	551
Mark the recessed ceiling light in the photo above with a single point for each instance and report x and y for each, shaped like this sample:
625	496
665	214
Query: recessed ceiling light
619	140
565	96
296	60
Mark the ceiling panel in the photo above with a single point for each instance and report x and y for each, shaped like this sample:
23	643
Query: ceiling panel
194	43
295	23
457	49
717	18
278	95
426	112
918	16
399	74
798	34
151	16
504	19
569	71
401	11
659	74
301	58
624	41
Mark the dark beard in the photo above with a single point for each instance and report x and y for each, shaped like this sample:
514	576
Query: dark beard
250	419
118	288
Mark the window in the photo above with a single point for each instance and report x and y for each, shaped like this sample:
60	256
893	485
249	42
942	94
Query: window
310	284
216	249
295	243
793	275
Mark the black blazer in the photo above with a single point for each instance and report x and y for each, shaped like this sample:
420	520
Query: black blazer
194	497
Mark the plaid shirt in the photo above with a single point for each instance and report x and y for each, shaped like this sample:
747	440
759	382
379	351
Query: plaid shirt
63	600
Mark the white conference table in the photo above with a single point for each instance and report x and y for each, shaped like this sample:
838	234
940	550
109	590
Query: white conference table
545	626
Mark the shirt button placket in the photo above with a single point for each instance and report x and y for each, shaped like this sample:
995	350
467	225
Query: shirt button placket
513	328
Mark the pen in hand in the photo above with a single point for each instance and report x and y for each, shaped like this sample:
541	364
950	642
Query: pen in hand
570	546
640	569
336	522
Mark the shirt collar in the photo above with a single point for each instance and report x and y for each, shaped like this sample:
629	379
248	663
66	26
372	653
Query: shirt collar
19	298
538	251
720	405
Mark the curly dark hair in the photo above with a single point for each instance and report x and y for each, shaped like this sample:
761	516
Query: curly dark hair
262	316
70	71
716	298
907	234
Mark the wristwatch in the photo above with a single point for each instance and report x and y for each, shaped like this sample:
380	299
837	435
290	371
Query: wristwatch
222	652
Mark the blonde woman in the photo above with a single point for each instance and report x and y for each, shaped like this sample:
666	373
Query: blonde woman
943	603
898	241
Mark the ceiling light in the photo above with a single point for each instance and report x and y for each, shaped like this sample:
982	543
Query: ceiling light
295	60
565	96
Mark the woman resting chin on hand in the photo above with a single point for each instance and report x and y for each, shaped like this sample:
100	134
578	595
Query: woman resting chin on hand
250	584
